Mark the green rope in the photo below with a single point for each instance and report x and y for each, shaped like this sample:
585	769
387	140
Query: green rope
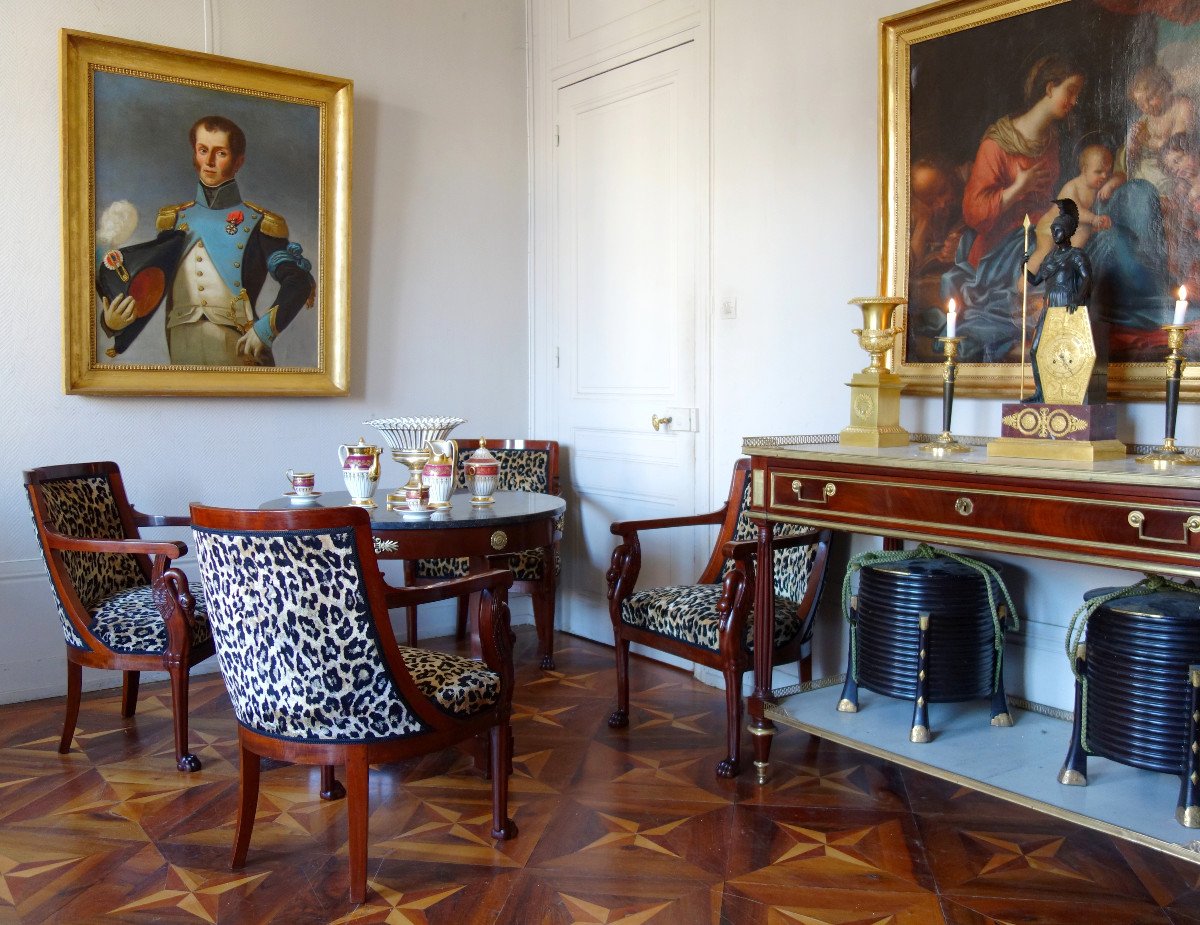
1079	619
991	579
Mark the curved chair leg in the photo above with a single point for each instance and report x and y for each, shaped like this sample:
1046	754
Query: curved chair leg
74	691
331	787
463	614
184	760
731	765
248	774
501	749
356	814
619	718
543	619
130	682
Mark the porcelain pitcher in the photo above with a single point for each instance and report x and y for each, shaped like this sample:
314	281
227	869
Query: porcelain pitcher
360	471
438	474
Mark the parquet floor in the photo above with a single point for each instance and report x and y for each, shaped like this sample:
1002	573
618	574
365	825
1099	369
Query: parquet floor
626	826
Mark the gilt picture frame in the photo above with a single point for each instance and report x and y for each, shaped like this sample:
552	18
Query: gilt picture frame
206	223
964	84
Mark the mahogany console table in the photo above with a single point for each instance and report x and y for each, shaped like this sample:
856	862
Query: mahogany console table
1116	513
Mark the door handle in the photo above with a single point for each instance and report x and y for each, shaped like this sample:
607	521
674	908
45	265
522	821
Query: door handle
657	422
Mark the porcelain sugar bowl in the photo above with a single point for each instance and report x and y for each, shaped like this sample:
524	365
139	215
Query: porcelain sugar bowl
360	471
482	470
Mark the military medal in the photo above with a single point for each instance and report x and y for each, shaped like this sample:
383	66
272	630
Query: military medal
116	262
232	220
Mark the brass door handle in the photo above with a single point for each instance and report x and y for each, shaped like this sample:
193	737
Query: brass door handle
657	422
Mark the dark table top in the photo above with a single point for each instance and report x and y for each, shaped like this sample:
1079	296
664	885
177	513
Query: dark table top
510	507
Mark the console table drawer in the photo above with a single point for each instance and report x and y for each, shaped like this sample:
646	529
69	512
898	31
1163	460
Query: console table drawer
981	515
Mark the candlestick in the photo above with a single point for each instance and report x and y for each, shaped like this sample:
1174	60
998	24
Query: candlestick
946	443
1168	454
952	318
1181	305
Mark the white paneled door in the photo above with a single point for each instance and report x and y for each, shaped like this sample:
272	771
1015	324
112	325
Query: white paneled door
629	220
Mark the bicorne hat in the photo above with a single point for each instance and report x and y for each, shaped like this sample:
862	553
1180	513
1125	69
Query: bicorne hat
143	271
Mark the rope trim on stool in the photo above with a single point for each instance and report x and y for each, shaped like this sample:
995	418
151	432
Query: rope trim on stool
1079	620
925	551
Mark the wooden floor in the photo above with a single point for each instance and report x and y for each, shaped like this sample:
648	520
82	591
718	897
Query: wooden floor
626	826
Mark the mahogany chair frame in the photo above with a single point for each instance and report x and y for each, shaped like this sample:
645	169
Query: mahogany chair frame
541	591
494	722
734	606
153	558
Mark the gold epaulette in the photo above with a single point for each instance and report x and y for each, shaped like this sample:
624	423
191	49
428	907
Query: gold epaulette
167	215
272	223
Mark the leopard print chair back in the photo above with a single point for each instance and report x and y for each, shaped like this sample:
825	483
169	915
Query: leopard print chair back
295	636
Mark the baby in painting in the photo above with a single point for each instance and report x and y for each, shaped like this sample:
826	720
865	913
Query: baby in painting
1095	170
1165	112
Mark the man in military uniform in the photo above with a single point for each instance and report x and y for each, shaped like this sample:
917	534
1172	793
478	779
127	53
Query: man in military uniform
230	247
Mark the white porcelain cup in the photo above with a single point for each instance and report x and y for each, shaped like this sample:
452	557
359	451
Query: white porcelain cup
303	483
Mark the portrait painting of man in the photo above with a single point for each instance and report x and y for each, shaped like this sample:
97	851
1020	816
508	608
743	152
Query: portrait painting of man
207	231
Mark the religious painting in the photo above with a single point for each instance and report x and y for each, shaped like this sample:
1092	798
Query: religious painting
206	223
991	111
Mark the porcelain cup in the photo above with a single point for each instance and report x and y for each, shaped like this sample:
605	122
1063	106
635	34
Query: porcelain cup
302	483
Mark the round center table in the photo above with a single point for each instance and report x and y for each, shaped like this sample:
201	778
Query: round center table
518	520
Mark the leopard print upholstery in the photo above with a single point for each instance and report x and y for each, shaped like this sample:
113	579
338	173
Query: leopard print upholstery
85	507
129	622
520	470
73	639
296	639
689	613
459	686
792	566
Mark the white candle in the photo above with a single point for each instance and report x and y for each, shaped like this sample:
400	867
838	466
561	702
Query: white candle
952	318
1181	305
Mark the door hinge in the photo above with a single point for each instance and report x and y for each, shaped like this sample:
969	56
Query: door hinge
556	358
556	136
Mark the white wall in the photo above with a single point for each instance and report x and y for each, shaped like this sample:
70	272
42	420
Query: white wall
795	224
438	288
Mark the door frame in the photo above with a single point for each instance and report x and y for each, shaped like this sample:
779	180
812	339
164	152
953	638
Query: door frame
542	90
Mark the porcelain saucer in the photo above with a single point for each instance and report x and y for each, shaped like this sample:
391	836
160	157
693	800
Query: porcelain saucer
420	513
310	498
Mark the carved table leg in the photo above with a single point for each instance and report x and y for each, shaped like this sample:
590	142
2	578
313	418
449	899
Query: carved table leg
762	729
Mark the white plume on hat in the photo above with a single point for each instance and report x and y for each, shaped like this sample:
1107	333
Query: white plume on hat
117	224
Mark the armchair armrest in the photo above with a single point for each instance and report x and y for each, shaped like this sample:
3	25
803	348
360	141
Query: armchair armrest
160	520
413	595
626	528
171	549
177	607
743	549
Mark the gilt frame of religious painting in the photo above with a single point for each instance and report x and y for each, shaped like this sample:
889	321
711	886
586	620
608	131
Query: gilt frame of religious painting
173	283
975	92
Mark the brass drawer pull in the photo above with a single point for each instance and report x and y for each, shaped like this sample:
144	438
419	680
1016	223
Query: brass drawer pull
826	493
964	506
1191	525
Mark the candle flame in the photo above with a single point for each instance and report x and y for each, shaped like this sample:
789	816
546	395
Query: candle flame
1183	293
950	305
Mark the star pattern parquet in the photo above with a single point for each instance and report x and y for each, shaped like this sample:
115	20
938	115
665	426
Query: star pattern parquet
616	826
